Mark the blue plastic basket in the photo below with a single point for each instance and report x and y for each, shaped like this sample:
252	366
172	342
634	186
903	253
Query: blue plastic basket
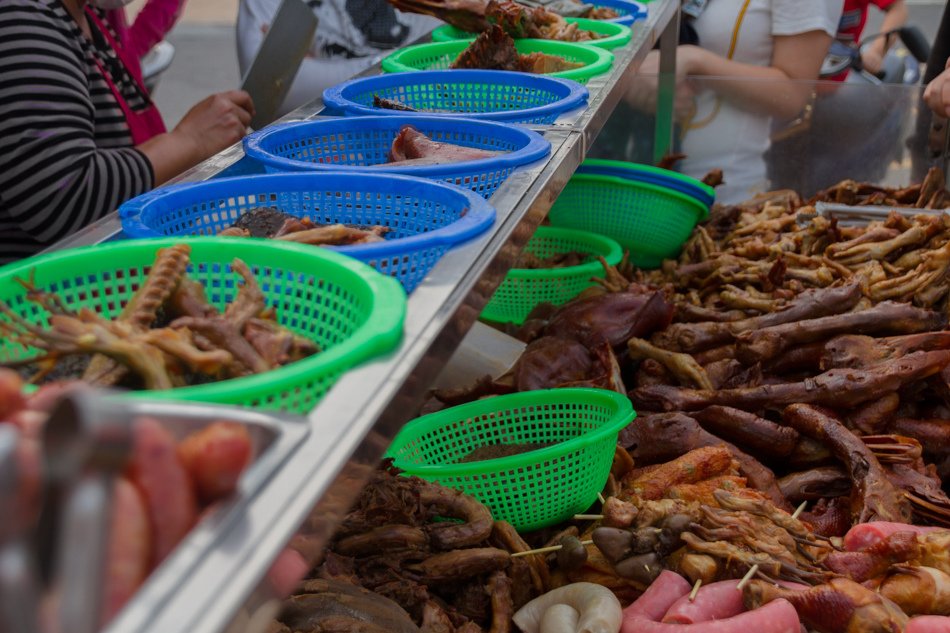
362	144
493	95
427	218
628	10
650	175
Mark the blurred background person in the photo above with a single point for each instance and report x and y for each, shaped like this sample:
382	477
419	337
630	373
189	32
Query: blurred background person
150	26
352	35
759	57
854	16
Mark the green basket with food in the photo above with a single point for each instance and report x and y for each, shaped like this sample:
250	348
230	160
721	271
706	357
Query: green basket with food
607	35
651	221
248	322
535	459
440	56
556	266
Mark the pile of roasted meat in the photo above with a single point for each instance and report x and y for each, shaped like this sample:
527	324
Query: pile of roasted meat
517	20
495	50
167	335
792	380
272	223
166	487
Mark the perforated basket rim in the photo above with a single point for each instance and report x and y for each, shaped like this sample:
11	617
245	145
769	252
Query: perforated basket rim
598	60
535	146
702	211
616	34
477	219
656	174
573	93
382	329
623	414
601	245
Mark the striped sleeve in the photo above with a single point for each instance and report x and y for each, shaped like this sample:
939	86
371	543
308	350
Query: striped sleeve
54	179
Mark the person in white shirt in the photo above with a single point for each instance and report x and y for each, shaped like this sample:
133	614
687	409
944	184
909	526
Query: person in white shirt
768	51
352	35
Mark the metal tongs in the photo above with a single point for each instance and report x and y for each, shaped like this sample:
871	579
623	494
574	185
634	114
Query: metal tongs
87	442
857	215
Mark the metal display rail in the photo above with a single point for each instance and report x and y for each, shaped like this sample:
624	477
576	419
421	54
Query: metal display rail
228	589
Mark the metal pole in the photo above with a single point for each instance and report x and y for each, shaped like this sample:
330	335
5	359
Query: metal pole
666	89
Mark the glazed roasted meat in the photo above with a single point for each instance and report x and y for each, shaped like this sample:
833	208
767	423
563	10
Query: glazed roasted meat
494	49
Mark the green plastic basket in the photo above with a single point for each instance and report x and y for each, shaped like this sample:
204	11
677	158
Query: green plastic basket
650	221
612	35
524	288
532	490
352	312
440	55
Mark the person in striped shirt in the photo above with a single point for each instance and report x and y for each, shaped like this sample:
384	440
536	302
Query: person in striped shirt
78	134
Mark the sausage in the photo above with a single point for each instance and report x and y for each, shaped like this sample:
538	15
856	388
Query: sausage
11	393
215	457
287	571
597	607
658	598
778	616
717	601
864	535
130	545
928	624
165	487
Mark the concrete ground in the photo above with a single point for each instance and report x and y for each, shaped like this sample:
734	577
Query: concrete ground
205	54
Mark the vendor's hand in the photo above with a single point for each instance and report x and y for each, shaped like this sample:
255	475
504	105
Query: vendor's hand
642	94
937	93
872	59
218	122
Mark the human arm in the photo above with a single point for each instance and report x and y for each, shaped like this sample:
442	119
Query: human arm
152	24
211	125
779	90
937	93
872	55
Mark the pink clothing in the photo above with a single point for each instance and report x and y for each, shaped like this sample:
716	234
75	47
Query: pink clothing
151	26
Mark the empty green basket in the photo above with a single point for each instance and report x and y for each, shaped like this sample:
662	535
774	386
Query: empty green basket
352	312
440	55
651	221
524	288
532	490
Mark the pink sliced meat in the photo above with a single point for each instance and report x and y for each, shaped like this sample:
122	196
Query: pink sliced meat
716	601
778	616
165	487
658	598
864	535
928	624
215	457
130	545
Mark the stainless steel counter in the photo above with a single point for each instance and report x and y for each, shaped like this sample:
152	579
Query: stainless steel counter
352	426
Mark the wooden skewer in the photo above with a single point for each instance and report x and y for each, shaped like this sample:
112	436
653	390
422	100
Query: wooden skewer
748	576
600	497
588	517
692	594
545	550
800	509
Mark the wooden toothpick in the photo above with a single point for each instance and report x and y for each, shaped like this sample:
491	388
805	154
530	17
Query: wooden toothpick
692	594
588	517
800	509
748	576
545	550
600	497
